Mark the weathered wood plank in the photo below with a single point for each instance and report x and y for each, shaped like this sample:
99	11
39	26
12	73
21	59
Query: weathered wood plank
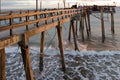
9	41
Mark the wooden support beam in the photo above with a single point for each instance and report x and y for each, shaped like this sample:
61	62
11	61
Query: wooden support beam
26	57
59	31
82	27
86	24
112	23
88	18
42	51
74	35
102	26
69	36
76	28
2	64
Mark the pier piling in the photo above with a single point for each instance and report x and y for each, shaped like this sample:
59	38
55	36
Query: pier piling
42	51
26	57
76	28
69	35
74	35
2	64
102	26
88	19
59	31
86	24
112	23
82	27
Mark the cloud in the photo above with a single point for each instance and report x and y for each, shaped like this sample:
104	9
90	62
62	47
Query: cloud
30	4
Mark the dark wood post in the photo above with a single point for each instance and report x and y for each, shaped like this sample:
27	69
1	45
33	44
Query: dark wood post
27	19
76	27
42	51
88	18
11	22
102	26
74	35
26	57
37	24
86	24
112	23
2	64
69	36
82	27
20	17
59	31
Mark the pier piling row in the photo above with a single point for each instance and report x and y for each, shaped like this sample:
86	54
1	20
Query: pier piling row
49	19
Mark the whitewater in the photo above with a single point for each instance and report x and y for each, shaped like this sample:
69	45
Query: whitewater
81	65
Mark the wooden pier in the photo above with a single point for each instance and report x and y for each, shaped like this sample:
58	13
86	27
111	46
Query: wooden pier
43	21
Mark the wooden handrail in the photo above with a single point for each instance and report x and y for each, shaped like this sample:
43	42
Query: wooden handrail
32	14
32	22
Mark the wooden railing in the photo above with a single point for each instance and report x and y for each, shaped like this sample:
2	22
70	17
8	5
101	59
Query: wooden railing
39	18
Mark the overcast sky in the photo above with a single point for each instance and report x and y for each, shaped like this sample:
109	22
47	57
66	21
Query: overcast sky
19	4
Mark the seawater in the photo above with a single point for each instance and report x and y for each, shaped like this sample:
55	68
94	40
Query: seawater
112	42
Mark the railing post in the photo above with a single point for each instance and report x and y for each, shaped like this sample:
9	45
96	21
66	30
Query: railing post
37	24
11	22
27	19
52	16
45	15
58	17
20	17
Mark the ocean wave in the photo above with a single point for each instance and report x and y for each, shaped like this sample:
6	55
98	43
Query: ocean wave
80	65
